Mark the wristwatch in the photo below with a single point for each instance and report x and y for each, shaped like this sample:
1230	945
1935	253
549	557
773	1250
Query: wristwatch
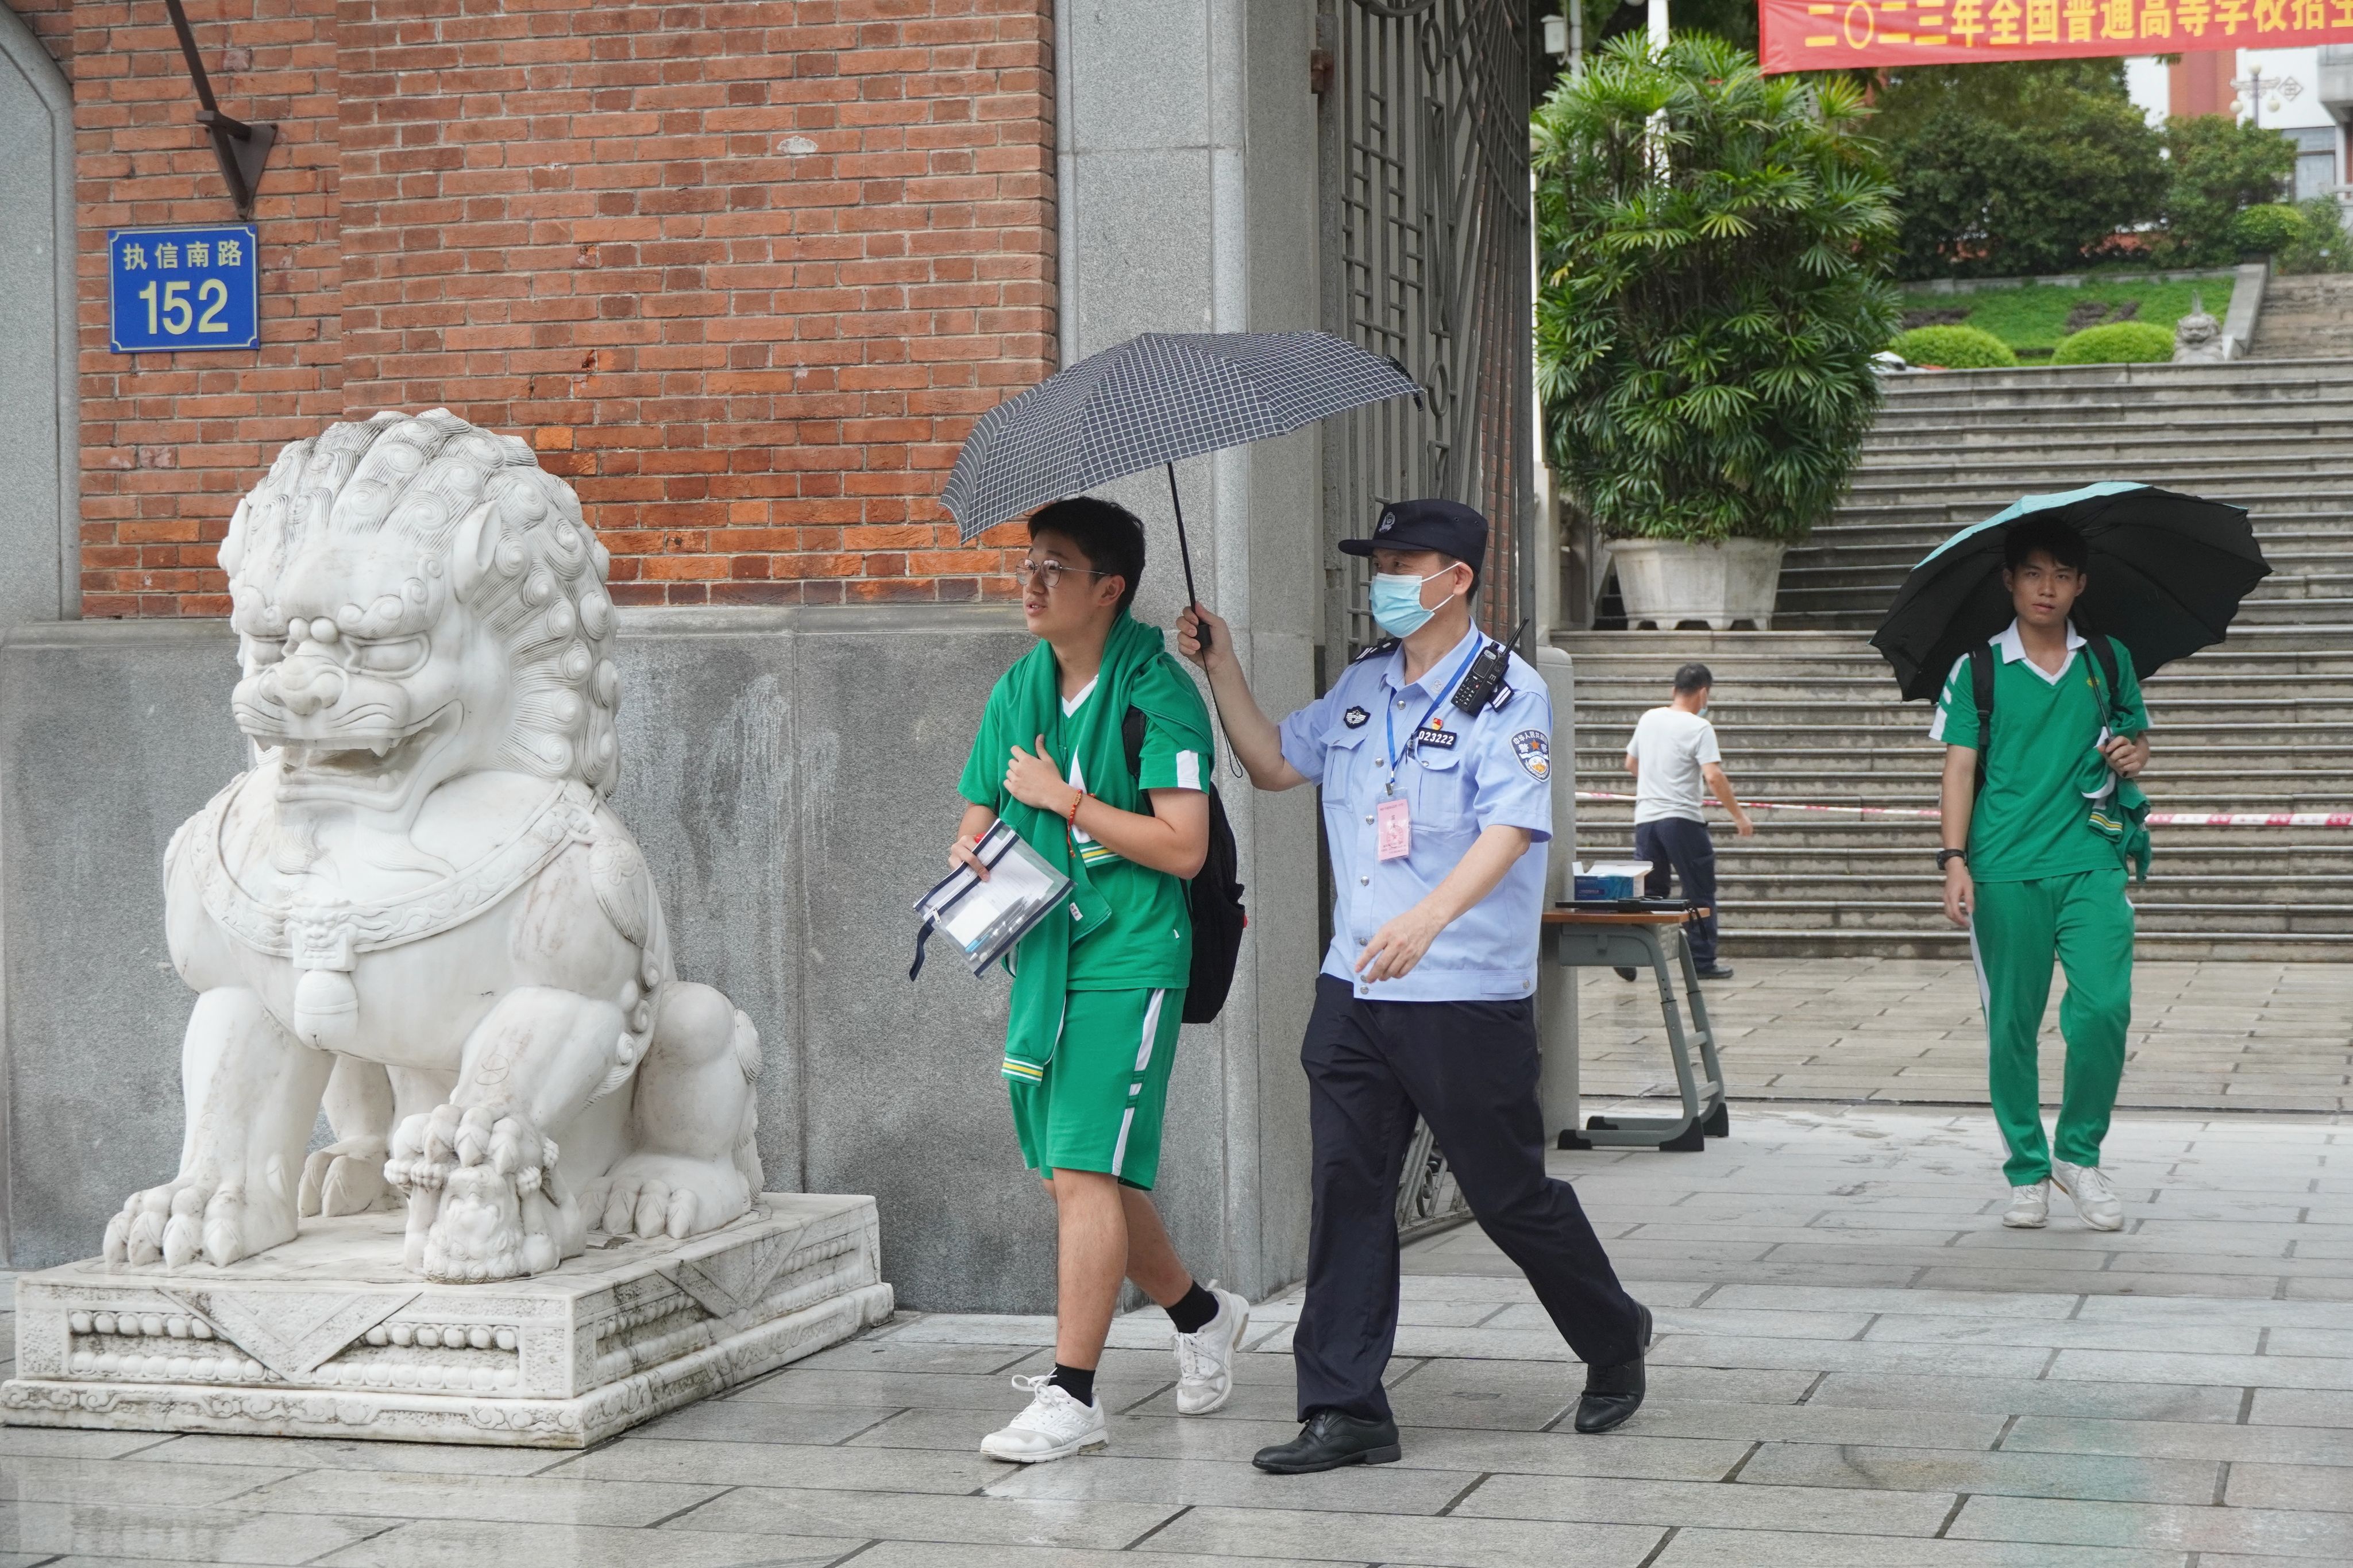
1945	856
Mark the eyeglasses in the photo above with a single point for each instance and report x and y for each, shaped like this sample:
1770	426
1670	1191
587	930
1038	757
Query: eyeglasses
1051	572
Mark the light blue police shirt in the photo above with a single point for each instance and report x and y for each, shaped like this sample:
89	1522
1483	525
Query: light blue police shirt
1496	772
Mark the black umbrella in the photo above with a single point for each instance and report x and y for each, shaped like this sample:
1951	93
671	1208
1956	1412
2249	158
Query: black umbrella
2166	573
1152	400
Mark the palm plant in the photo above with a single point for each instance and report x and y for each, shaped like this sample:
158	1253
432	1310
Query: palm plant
1715	254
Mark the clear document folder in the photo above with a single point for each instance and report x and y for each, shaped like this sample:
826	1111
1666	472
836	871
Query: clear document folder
985	919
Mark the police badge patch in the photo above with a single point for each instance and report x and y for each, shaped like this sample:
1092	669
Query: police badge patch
1354	718
1532	748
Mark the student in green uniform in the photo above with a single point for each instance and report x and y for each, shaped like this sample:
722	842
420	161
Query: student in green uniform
1097	998
2034	865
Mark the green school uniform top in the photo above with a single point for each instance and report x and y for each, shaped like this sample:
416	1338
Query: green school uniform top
1146	941
2044	772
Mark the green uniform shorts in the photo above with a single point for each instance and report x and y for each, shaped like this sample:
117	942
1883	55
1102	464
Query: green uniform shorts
1099	1104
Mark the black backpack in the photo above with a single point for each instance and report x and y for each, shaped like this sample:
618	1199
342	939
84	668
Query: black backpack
1981	657
1213	895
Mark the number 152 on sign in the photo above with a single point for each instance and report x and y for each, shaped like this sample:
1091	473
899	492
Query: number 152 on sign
173	289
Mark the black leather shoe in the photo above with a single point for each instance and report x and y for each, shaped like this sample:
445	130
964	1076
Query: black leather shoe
1613	1393
1330	1440
1717	972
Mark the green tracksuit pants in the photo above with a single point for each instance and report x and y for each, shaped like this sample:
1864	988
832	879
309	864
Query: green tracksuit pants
2015	931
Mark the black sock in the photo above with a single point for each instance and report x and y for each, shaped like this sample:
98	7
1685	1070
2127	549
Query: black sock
1077	1381
1193	1313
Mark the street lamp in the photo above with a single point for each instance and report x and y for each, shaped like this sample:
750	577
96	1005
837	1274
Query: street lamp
2251	90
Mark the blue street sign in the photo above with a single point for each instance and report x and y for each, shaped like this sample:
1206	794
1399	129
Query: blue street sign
178	288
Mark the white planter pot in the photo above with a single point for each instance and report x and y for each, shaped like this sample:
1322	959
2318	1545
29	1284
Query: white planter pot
1666	583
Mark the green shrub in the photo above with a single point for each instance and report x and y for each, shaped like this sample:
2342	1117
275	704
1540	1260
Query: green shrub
1714	257
1954	348
2118	342
2321	243
2266	229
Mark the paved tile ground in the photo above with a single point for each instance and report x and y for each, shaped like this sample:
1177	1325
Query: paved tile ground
1857	1368
2252	1037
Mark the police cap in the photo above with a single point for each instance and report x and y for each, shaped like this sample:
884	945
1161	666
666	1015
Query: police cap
1448	527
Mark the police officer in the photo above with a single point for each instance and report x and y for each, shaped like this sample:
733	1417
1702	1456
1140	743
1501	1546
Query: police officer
1433	752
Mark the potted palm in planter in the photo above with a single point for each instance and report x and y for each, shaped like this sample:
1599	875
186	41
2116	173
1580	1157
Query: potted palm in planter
1714	282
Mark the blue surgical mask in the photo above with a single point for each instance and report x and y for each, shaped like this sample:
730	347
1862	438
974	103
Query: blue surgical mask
1396	602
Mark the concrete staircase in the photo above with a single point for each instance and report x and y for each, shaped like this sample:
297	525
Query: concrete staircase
2308	317
1810	713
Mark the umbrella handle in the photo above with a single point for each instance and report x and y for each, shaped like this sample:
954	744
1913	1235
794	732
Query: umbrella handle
1185	552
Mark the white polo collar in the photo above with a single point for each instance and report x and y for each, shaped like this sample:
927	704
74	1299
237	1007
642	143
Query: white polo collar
2013	650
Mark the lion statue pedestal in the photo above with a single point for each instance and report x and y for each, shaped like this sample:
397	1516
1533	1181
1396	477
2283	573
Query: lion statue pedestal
540	1217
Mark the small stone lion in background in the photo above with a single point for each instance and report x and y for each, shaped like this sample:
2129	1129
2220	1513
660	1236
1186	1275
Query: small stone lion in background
417	909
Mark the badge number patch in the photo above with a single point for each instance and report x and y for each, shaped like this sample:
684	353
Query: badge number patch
1534	751
1354	718
1434	736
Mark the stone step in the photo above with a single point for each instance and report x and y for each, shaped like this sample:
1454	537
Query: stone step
2281	606
2165	887
1830	566
1942	941
1804	832
2243	382
1910	753
1986	488
2326	922
2033	447
2254	855
1916	791
2292	706
1900	427
1959	502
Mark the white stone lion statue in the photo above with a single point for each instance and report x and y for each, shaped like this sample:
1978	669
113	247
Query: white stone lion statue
417	909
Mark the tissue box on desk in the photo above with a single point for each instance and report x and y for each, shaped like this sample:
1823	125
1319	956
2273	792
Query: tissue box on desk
1607	879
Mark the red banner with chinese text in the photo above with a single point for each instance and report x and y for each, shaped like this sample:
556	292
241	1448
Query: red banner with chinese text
1810	35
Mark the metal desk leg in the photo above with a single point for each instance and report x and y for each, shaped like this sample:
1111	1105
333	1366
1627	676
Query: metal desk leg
1681	1134
1717	1120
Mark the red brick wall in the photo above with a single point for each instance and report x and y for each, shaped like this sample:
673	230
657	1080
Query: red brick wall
170	441
744	273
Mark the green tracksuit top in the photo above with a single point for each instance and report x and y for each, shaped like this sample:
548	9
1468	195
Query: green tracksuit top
2043	770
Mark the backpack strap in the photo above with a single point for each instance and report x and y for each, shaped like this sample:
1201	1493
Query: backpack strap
2104	653
1981	670
1130	737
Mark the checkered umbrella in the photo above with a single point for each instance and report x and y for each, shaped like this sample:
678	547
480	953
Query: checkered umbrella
1152	400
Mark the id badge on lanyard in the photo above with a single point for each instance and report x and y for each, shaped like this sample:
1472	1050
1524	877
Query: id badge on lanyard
1393	819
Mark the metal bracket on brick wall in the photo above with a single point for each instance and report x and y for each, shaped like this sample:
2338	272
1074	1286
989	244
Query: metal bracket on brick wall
243	150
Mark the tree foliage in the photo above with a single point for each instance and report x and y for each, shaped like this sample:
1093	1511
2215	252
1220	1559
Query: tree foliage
2216	167
2019	168
2320	243
1714	258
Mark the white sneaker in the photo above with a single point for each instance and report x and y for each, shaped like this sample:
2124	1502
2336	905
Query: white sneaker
2030	1206
1205	1358
1055	1426
2095	1201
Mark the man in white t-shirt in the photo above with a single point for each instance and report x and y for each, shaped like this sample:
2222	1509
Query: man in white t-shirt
1672	755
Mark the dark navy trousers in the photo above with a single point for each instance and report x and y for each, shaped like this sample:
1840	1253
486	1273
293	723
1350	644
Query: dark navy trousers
1470	1070
1679	844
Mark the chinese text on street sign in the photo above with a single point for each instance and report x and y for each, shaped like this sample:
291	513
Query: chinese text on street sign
1810	34
178	288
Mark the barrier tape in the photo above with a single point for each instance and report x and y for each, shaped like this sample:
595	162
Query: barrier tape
2156	818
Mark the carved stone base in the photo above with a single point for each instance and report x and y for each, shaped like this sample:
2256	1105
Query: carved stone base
328	1336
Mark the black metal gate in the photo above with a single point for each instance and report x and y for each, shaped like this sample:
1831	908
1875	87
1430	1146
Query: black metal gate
1427	259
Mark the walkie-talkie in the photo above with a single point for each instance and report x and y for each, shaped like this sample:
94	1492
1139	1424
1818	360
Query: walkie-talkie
1479	688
